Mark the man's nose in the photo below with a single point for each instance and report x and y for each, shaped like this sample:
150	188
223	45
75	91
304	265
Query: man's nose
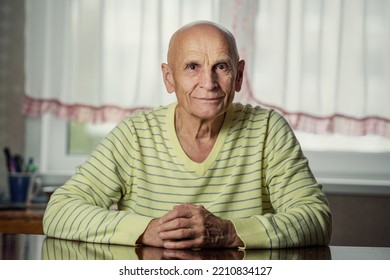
208	79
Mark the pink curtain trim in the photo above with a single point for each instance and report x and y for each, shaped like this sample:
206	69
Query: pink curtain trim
336	123
76	112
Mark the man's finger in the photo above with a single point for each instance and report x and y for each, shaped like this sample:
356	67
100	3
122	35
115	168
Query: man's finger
178	234
175	224
179	211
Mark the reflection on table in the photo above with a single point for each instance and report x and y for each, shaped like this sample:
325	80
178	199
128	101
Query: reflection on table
26	246
20	246
56	249
37	247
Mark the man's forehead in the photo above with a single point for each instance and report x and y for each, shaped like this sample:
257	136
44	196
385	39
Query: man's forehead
200	46
198	55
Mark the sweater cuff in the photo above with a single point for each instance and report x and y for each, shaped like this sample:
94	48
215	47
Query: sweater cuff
130	229
251	232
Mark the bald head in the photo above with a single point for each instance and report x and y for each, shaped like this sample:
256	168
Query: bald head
201	29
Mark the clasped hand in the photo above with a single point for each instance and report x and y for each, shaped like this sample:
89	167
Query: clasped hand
190	226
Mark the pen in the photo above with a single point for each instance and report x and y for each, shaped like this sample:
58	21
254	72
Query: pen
9	160
18	162
7	155
31	167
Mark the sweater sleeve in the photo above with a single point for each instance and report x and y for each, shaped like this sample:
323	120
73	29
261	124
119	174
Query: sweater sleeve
80	209
298	213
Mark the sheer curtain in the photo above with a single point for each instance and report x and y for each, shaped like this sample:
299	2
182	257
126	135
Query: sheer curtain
324	64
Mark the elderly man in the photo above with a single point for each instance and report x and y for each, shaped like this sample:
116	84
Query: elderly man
202	172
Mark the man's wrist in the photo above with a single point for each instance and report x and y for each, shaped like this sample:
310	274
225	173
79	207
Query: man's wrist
146	238
233	240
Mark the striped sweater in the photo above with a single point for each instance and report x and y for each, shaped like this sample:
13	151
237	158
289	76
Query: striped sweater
256	176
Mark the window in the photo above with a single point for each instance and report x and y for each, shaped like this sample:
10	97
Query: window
63	145
82	138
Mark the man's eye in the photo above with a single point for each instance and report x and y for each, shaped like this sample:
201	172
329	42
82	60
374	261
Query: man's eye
222	66
192	66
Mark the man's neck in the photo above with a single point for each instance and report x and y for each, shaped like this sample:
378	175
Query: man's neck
194	128
197	137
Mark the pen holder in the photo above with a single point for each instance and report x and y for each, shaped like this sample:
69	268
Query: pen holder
22	186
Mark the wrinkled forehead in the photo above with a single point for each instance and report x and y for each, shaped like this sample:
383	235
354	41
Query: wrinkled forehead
211	46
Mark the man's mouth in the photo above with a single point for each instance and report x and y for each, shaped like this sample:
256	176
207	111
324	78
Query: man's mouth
210	99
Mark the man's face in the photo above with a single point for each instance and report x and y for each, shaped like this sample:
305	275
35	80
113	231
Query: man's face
204	74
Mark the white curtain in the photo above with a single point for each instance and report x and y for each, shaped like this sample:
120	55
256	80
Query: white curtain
324	64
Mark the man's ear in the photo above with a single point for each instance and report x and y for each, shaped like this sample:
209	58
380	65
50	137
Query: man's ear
239	75
168	77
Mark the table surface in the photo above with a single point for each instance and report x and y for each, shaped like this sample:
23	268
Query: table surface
22	220
38	247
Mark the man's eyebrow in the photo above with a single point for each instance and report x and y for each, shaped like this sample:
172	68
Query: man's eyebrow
191	61
226	60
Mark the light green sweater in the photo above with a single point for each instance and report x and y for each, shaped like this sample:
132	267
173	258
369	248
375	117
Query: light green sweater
256	176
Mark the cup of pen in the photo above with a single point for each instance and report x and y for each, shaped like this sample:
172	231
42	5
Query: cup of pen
21	187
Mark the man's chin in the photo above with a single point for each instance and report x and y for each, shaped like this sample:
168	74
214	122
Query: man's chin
210	114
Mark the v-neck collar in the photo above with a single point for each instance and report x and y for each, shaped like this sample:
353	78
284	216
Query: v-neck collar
198	168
